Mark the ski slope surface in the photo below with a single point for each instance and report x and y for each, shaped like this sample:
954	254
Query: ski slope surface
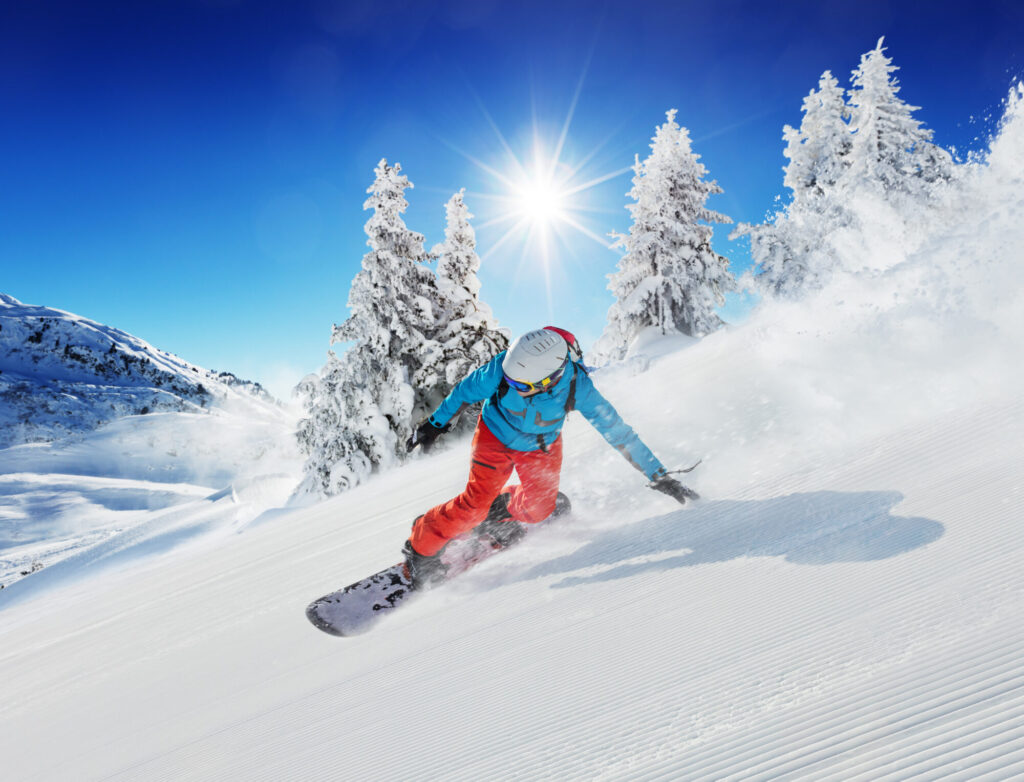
846	602
856	618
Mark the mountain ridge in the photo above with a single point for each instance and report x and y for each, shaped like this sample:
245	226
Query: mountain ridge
62	374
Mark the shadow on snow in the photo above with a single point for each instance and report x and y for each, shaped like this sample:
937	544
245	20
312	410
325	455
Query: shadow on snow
818	528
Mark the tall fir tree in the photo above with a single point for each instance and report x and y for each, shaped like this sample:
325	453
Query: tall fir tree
669	277
790	250
890	146
362	405
466	334
819	151
869	152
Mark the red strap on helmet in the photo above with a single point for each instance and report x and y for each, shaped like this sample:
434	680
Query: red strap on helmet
575	352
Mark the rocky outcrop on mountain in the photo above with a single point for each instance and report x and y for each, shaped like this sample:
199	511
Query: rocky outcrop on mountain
61	374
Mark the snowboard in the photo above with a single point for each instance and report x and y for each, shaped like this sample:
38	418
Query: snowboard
359	606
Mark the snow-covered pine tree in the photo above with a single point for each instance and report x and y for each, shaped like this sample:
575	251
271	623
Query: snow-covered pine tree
466	335
362	406
819	151
890	147
880	167
791	251
669	277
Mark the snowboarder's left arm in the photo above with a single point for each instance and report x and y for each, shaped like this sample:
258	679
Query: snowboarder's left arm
606	419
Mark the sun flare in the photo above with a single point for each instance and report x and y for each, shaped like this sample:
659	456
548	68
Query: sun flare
540	200
544	199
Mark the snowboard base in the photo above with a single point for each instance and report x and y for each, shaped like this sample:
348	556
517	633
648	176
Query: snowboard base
359	606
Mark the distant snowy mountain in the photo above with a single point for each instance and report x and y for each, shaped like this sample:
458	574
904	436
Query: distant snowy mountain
62	374
109	445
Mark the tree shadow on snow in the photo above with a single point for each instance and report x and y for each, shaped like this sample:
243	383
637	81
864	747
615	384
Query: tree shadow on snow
818	528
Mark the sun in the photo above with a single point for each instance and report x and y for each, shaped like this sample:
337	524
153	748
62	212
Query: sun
539	199
542	201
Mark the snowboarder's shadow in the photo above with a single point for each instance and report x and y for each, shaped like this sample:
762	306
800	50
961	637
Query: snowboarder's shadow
818	528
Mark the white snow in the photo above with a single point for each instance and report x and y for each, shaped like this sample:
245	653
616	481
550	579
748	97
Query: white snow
62	375
138	484
97	456
846	603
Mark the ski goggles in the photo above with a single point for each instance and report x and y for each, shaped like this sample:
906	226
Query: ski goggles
550	380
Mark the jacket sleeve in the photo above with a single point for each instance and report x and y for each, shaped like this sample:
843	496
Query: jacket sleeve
609	423
477	386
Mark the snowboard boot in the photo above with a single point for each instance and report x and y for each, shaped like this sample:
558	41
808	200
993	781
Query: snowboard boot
506	531
424	572
499	508
499	525
562	506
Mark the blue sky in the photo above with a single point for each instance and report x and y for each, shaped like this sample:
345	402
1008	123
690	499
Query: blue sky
194	172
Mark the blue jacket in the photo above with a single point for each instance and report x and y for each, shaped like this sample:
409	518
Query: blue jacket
530	423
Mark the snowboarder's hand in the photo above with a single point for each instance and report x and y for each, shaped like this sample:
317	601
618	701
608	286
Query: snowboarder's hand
666	484
425	434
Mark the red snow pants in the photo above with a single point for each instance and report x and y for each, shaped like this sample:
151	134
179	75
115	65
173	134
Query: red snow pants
531	501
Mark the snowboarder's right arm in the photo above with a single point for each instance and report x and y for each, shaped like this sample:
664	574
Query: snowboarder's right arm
606	419
603	416
477	386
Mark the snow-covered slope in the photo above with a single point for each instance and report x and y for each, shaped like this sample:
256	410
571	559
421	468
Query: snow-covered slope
112	443
845	603
139	485
62	374
854	614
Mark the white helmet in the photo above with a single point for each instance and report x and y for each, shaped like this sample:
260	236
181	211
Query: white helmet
535	356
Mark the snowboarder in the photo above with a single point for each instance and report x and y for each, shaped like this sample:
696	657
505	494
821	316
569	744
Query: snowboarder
527	392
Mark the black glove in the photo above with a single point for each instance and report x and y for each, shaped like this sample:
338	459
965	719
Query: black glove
424	435
666	484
